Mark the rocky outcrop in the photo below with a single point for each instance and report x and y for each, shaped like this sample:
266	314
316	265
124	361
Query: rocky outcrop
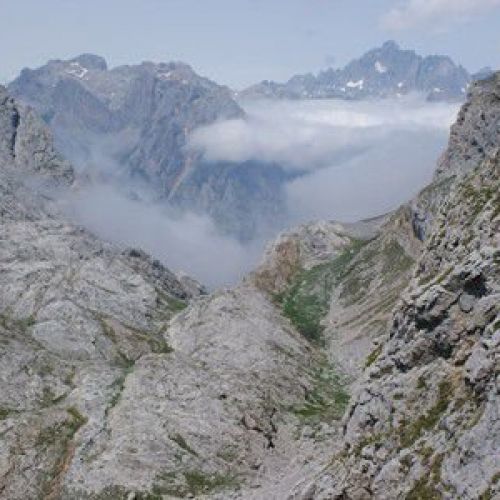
26	144
386	71
423	422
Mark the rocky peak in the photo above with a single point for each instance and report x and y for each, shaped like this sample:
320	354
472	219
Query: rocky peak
473	138
90	61
386	71
26	143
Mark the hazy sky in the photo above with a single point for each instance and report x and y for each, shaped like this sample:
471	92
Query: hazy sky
238	42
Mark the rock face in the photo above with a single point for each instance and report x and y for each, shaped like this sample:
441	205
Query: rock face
120	381
387	71
423	422
133	123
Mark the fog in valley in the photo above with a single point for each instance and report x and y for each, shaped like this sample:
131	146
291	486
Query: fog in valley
345	160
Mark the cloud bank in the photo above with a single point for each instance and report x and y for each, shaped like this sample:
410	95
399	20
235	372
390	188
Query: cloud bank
307	135
351	159
184	242
439	13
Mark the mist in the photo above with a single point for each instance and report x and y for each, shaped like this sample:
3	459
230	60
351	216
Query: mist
351	159
185	242
346	160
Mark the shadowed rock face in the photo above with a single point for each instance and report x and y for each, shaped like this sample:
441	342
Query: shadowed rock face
387	71
133	122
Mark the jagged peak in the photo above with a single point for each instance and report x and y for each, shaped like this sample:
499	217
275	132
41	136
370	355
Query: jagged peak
91	61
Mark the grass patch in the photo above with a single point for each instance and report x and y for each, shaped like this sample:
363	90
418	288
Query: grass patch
118	385
328	399
307	300
412	431
23	324
373	356
395	261
200	483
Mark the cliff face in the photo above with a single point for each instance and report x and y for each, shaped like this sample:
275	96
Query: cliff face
423	422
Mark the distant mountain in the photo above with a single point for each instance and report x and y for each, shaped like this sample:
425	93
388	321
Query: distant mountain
133	122
387	71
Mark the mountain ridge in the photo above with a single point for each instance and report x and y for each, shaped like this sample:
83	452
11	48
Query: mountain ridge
386	71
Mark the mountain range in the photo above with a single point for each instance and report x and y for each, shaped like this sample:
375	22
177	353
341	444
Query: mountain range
131	125
387	71
357	361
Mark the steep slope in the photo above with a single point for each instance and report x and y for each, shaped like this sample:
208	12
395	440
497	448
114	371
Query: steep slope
117	382
387	71
338	283
423	422
132	123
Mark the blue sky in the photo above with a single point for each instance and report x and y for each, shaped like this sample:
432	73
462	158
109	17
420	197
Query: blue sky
238	42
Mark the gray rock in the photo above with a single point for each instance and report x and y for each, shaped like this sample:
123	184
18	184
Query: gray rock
133	123
387	71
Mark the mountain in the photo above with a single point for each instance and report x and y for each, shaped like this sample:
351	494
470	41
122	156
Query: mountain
387	71
423	419
357	361
96	402
133	123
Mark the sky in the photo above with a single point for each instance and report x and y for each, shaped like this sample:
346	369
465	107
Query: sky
240	42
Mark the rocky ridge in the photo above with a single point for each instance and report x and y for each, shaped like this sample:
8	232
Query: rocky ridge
423	419
131	124
386	71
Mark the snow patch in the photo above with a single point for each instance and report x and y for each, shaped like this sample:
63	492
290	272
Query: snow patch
400	85
77	70
380	68
437	90
355	85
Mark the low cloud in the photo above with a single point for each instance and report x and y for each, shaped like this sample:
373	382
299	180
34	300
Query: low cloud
347	160
351	159
184	242
438	13
307	135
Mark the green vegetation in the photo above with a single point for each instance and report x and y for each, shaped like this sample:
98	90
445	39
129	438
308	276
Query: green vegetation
194	483
373	356
307	299
425	487
172	305
328	399
395	260
118	385
199	482
422	490
63	432
412	431
4	413
10	323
